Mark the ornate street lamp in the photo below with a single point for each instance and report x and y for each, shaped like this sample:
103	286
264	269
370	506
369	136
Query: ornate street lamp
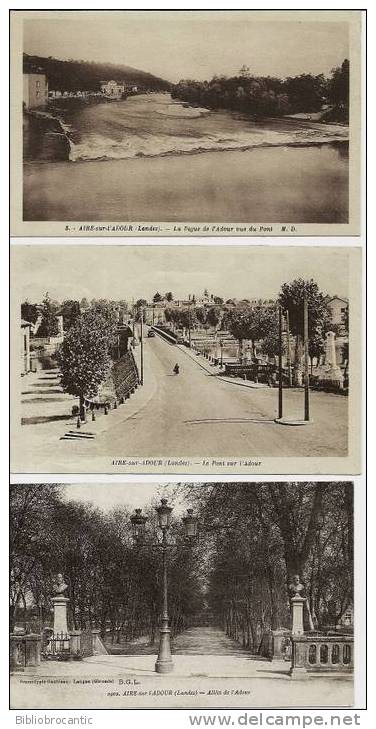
164	662
138	522
190	524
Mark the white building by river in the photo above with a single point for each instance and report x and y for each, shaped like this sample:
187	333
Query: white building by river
114	89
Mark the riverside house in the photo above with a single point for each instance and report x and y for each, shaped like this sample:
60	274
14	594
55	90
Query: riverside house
112	89
35	90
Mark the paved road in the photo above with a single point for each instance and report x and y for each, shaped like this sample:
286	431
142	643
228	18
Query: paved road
207	641
195	414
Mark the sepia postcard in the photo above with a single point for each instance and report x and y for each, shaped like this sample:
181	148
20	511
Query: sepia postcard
186	359
189	595
188	123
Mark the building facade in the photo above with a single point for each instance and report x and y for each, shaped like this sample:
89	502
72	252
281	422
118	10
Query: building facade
113	89
35	90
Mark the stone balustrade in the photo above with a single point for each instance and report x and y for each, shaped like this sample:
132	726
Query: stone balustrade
319	653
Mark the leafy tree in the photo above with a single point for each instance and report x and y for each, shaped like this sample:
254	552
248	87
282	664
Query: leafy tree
157	297
339	84
291	298
218	300
30	530
249	322
169	296
214	316
200	312
29	312
49	325
70	311
84	357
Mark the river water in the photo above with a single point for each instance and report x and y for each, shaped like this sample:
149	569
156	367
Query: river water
156	125
179	163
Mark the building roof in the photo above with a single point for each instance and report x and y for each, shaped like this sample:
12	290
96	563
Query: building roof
338	298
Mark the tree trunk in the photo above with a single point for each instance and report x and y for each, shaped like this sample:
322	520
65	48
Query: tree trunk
82	408
240	351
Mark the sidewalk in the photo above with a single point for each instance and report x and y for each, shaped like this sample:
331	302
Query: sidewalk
196	681
216	370
47	421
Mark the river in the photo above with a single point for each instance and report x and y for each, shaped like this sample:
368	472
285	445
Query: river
151	158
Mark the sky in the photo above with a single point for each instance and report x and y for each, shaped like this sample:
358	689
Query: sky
181	44
134	495
125	271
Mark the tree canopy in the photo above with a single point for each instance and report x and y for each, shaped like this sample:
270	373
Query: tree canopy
84	357
270	96
253	537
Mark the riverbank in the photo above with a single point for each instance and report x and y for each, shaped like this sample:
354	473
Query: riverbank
44	137
300	184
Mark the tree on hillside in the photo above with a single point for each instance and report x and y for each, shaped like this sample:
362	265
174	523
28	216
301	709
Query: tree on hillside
200	313
214	316
339	84
84	356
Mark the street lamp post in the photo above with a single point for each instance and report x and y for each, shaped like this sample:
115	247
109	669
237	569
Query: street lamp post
306	362
142	347
221	348
189	324
164	663
280	370
288	347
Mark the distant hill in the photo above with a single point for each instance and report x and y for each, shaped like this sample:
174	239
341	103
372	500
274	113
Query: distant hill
87	76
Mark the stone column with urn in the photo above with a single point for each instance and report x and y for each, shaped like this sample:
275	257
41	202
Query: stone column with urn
298	601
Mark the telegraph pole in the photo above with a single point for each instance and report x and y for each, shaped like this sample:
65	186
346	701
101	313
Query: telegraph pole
142	347
288	347
306	362
280	391
189	324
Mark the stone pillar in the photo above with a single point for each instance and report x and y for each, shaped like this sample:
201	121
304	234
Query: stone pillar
297	604
96	634
330	349
99	649
33	645
25	652
278	643
331	369
75	642
60	604
298	668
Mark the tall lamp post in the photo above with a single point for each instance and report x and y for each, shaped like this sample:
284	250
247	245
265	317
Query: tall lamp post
142	347
189	325
164	662
306	420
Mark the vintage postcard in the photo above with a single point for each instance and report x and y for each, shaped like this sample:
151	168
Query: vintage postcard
186	359
182	596
189	123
